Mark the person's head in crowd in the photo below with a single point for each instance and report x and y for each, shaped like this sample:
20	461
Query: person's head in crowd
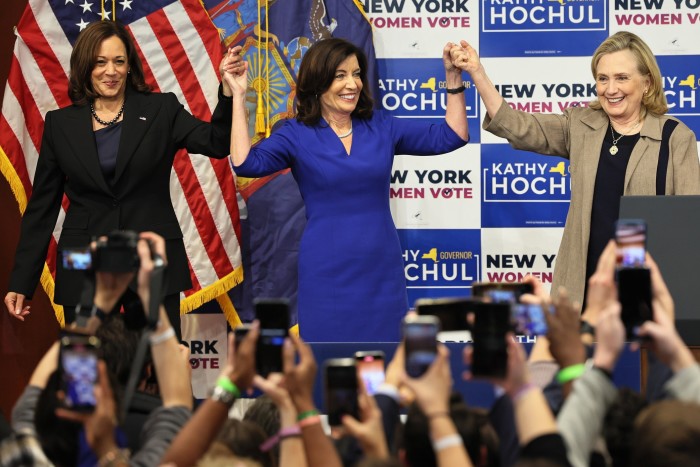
619	423
264	413
117	347
480	439
85	61
667	434
318	75
239	439
644	89
58	437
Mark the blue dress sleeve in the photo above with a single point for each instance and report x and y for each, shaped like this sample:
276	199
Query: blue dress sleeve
420	138
275	153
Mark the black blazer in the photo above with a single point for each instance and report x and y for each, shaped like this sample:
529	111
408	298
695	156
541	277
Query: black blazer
155	126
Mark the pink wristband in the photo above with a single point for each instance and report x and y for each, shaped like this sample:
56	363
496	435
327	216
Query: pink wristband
288	432
308	421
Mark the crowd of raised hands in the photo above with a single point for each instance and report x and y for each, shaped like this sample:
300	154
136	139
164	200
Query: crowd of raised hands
559	405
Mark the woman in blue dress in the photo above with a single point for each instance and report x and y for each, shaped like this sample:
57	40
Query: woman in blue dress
340	150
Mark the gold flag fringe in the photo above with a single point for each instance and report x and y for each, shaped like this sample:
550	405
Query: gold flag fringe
212	291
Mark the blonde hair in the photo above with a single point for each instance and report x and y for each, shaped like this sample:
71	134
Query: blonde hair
654	100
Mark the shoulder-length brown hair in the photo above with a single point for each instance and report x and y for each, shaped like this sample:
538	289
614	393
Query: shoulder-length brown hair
84	57
654	101
317	72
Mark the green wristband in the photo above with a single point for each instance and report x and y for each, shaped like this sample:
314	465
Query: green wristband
570	373
307	414
227	385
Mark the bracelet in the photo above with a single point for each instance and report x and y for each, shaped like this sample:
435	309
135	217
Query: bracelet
447	442
229	386
310	420
307	414
570	373
284	433
114	458
587	328
524	389
160	338
458	90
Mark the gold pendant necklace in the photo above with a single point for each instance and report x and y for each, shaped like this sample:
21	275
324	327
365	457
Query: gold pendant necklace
613	148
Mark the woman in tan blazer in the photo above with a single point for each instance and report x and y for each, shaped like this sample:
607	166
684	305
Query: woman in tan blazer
613	147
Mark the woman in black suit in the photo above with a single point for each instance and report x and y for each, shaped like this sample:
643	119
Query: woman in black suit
111	153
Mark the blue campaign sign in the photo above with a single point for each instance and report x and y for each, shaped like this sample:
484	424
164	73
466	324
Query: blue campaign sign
681	82
414	88
523	189
517	28
440	263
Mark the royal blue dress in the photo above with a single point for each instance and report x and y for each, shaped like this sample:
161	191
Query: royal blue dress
352	286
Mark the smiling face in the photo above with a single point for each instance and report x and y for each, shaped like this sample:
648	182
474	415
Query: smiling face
620	86
341	97
108	77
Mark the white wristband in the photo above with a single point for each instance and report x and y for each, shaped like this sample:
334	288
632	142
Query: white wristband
447	442
160	338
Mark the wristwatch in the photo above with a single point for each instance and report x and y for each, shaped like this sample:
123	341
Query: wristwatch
587	328
222	395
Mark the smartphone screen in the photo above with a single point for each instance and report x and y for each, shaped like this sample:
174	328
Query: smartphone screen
452	312
634	294
79	372
631	239
501	291
420	340
341	384
528	319
76	258
370	369
273	315
490	354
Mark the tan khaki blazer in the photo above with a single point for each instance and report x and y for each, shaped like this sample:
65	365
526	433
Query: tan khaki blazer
578	135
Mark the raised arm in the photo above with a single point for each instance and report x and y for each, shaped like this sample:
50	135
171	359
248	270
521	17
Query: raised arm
456	112
236	76
467	59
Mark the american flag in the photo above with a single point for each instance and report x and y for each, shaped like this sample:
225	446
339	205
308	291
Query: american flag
180	50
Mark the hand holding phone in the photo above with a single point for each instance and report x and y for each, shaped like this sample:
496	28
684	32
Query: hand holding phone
490	353
370	369
341	389
632	276
631	239
420	342
79	373
501	291
273	314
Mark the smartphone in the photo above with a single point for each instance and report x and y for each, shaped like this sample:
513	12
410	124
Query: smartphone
370	369
78	369
528	319
273	314
341	389
452	312
631	239
501	291
240	332
490	354
76	258
420	343
634	294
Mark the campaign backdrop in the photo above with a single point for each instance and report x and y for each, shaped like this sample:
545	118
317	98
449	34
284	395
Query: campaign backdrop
485	212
